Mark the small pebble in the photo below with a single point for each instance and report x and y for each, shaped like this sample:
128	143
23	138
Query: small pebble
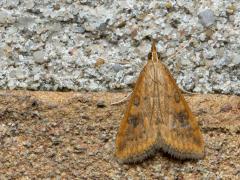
206	17
226	108
101	104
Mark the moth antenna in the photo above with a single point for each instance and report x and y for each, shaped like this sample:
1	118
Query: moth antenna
185	91
180	49
122	100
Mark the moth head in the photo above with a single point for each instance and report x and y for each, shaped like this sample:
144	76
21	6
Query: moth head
152	58
154	55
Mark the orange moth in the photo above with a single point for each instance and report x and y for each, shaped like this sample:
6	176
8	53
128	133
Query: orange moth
157	118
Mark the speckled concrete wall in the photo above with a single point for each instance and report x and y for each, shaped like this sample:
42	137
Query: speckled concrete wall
102	45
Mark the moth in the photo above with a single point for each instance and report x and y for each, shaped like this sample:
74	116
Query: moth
157	118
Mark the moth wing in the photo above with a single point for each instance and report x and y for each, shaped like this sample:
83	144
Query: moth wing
179	133
137	135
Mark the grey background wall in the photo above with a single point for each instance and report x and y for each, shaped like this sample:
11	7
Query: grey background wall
103	45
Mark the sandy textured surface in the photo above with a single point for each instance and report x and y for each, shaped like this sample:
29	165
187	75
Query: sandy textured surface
71	135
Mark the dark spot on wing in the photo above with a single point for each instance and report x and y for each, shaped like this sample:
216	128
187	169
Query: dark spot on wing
196	140
188	132
144	131
136	100
121	146
177	97
182	117
145	98
133	120
158	120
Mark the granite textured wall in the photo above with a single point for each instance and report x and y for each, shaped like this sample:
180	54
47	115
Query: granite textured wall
102	45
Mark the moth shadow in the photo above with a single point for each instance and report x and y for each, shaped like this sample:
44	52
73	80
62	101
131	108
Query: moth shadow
175	159
143	163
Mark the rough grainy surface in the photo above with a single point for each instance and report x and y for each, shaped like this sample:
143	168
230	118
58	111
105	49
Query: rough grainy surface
71	135
99	45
